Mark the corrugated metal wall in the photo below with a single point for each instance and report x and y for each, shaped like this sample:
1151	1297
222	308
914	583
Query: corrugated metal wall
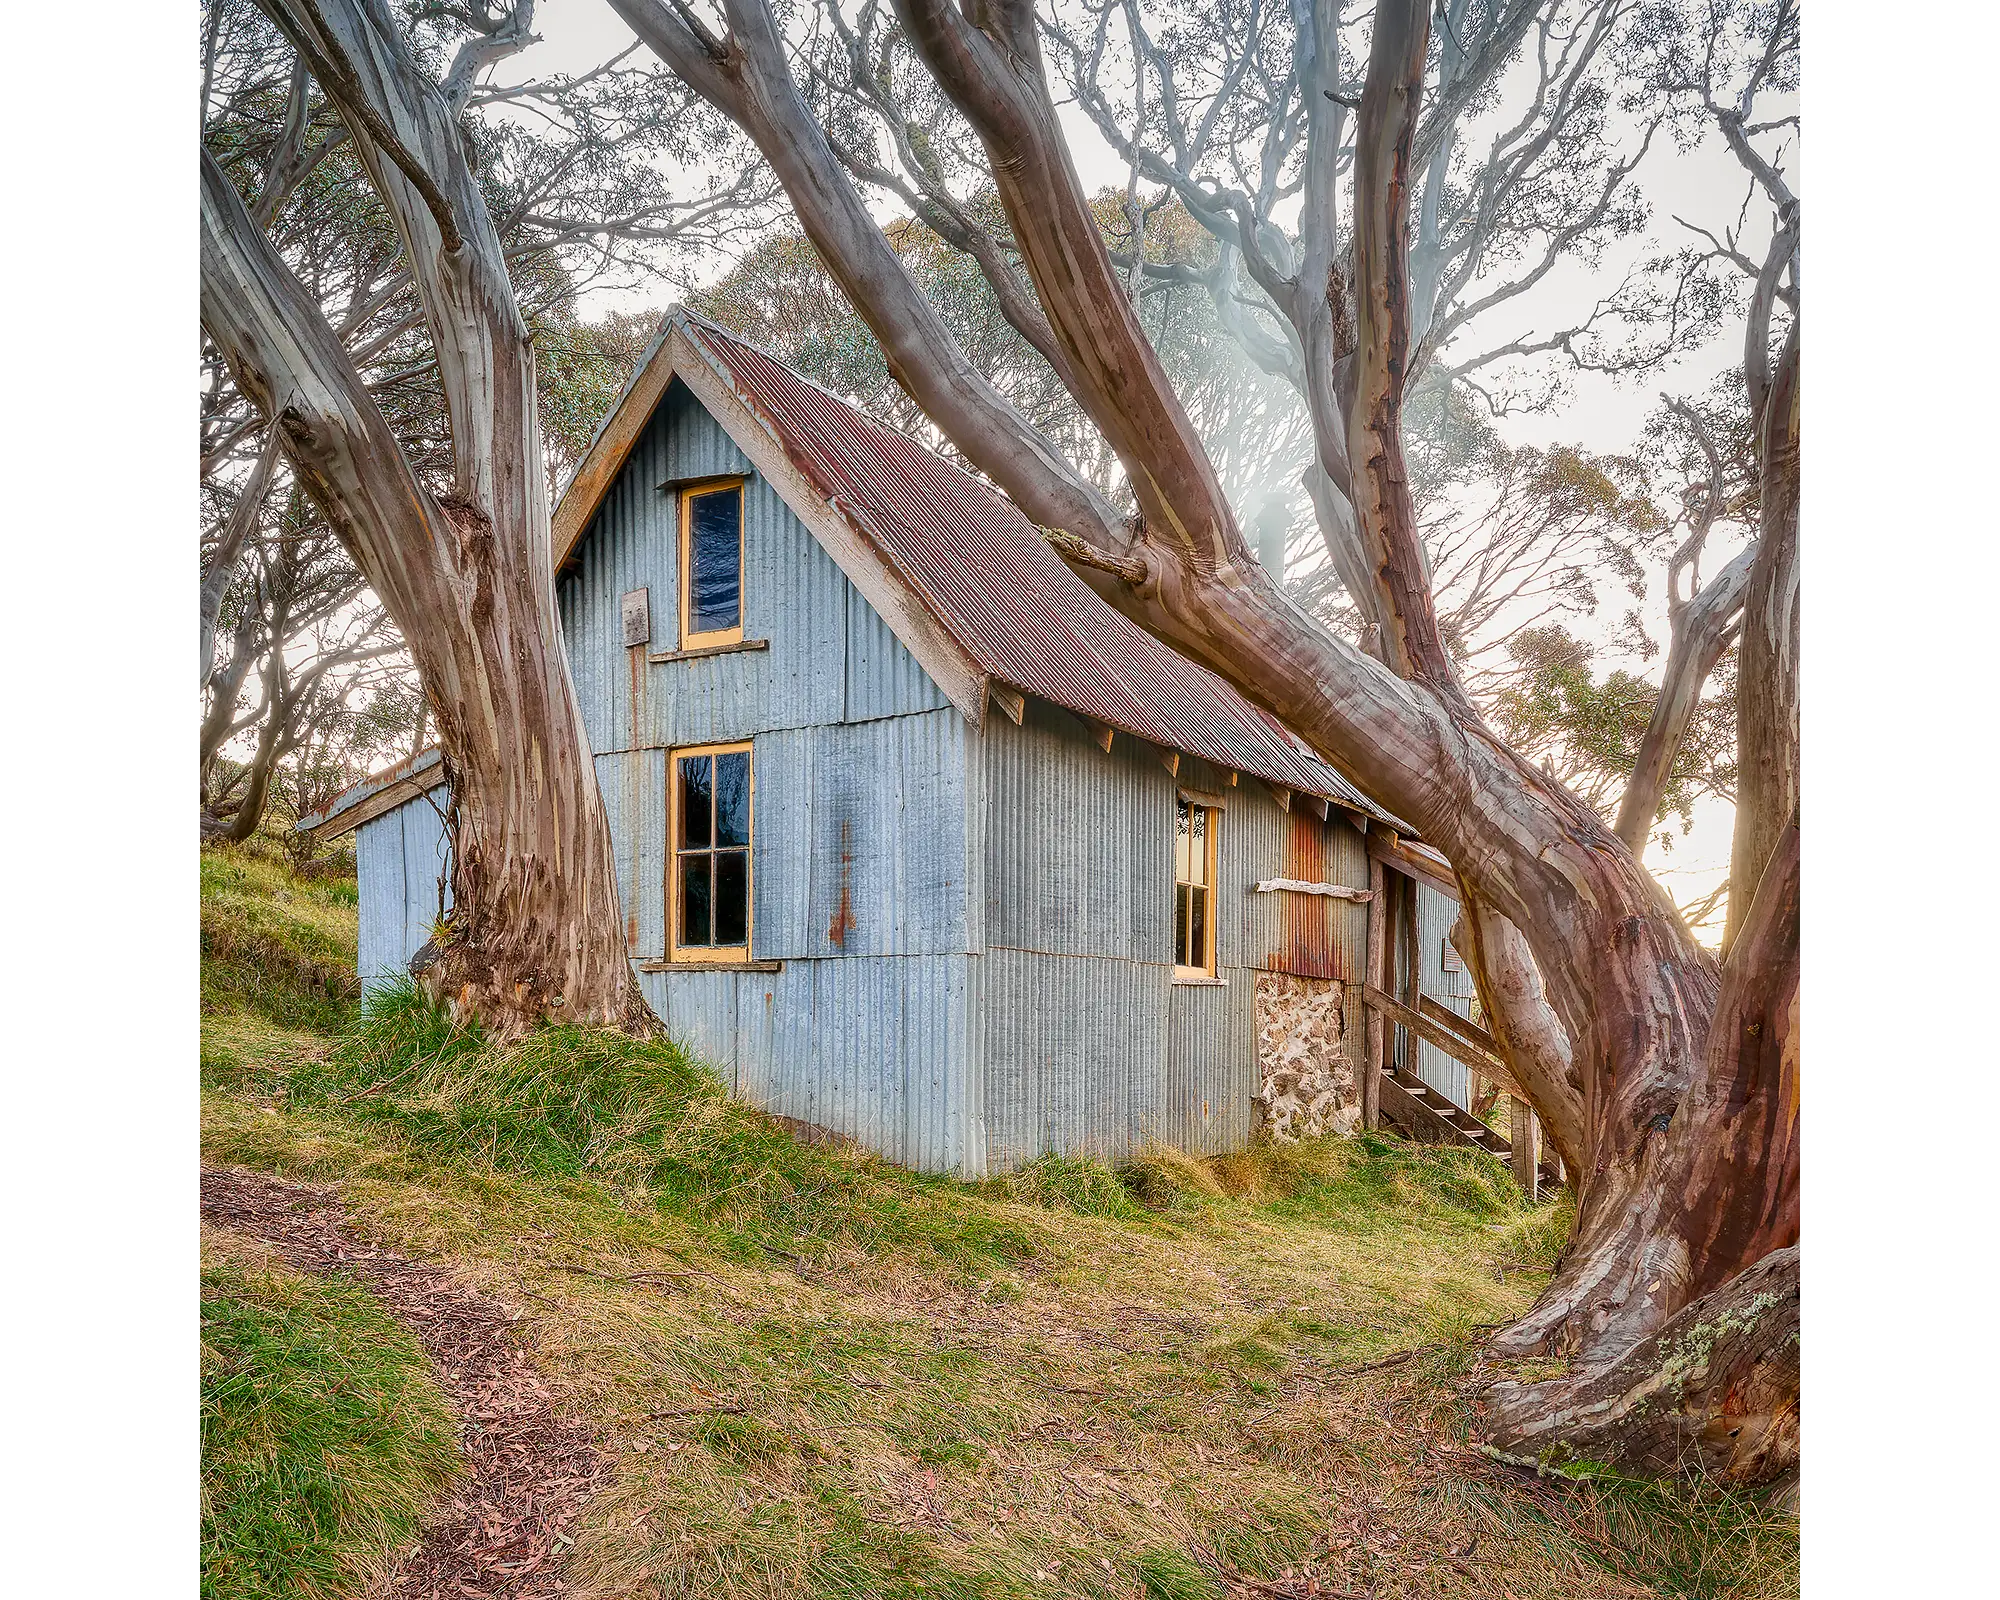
1435	915
400	858
861	872
975	929
1087	1045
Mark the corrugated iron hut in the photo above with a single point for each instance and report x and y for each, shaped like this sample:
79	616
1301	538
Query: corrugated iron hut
920	842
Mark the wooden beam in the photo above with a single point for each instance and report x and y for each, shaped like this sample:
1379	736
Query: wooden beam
1376	970
1101	732
1319	805
1464	1027
1440	1038
1015	705
699	651
1282	795
1427	868
1524	1134
1171	760
1233	776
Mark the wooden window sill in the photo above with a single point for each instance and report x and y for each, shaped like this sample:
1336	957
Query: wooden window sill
1199	980
700	651
710	966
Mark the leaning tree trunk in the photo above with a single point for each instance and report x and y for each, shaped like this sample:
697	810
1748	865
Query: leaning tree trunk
1719	1379
535	930
1634	992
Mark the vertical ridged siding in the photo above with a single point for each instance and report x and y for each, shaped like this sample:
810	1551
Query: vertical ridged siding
1086	1044
867	1047
398	858
634	786
1212	1063
1075	1054
860	868
1079	845
882	678
1435	915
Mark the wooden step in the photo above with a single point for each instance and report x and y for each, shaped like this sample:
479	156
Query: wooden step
1435	1114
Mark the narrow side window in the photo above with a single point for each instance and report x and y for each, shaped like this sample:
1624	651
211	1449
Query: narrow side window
708	893
711	566
1194	891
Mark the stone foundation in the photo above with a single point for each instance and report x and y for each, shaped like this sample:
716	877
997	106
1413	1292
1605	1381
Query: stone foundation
1307	1085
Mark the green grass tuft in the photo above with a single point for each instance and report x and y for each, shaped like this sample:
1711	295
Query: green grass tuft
323	1437
578	1103
1168	1574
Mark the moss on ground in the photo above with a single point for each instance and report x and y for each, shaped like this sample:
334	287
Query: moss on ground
324	1438
822	1375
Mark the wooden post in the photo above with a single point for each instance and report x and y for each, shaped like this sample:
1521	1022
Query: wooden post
1377	968
1524	1131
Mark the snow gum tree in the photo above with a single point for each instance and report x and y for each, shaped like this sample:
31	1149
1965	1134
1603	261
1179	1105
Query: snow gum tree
1668	1080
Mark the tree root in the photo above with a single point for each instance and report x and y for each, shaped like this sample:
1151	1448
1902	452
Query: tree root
1716	1389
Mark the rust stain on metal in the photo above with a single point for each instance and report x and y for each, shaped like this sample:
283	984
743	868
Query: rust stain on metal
1308	944
635	657
843	912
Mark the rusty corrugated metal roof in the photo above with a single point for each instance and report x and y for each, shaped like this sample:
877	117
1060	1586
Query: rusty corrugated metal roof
995	585
391	786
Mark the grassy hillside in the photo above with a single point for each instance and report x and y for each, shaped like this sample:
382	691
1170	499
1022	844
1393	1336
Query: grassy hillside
821	1375
324	1438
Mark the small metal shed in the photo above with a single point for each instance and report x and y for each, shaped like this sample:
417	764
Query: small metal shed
969	931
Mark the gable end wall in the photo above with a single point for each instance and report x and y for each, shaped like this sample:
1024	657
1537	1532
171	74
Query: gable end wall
861	874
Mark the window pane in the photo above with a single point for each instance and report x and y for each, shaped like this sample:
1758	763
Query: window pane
1197	928
694	900
732	800
1197	844
732	897
1181	836
1181	925
696	801
715	557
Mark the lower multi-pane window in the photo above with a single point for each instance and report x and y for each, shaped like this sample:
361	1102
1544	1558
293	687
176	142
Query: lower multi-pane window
1194	891
708	897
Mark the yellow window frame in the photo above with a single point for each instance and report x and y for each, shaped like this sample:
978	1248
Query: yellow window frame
706	955
690	640
1211	829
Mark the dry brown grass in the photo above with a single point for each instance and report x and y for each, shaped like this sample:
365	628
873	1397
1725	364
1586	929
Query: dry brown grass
820	1376
1160	1405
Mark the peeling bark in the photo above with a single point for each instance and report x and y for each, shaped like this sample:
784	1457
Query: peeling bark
535	931
1716	1389
1767	692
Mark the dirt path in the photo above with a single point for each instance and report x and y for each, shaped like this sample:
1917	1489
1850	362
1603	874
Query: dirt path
530	1470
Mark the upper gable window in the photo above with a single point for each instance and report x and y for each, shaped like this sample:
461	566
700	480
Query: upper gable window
712	565
1194	890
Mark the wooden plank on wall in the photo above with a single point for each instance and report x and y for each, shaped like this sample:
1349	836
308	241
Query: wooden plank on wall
1524	1133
